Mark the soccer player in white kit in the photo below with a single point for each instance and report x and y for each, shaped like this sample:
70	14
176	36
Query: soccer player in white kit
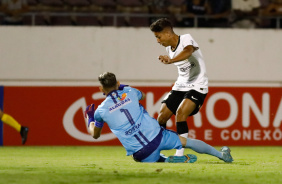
191	87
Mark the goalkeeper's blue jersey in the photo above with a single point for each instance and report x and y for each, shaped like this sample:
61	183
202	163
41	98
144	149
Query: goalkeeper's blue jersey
127	119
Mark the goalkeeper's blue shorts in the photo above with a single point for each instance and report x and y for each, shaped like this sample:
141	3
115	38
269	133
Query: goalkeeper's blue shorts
170	140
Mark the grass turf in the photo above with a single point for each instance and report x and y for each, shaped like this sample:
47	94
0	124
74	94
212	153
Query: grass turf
100	164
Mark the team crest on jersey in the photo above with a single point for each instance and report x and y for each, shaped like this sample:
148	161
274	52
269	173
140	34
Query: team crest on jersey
123	96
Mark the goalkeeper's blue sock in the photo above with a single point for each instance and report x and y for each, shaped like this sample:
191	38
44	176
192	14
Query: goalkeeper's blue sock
202	147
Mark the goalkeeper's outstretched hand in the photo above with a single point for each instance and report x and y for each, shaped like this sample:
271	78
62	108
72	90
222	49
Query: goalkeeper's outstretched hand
89	113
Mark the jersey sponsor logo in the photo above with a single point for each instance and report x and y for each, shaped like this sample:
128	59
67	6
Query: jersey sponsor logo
133	129
123	96
119	105
184	85
188	66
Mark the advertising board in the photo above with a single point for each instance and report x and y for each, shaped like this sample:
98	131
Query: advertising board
233	116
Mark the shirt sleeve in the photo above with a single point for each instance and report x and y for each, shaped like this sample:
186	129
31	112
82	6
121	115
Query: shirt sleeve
138	93
97	116
188	40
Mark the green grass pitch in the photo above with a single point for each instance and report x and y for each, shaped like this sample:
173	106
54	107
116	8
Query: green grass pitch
101	164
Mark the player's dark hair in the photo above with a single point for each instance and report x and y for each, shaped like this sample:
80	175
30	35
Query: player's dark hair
160	25
107	79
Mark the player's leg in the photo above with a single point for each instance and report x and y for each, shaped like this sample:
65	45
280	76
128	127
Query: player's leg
169	106
204	148
170	141
9	120
164	115
190	105
184	110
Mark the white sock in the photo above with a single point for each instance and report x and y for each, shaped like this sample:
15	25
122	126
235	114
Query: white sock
180	152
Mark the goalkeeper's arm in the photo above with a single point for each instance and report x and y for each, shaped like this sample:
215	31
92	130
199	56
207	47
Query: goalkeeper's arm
95	129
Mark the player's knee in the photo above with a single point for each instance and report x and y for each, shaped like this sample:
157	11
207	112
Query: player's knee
181	116
183	112
162	119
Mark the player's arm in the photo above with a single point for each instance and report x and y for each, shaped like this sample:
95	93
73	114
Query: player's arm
184	54
95	129
95	126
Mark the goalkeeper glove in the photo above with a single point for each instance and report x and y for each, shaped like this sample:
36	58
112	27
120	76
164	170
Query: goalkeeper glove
89	113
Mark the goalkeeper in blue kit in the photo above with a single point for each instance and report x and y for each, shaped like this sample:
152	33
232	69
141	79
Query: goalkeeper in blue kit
139	133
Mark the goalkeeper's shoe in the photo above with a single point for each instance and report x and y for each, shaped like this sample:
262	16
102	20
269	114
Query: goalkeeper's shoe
23	132
226	156
189	158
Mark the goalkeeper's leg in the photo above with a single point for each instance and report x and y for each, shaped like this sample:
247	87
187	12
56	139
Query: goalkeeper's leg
204	148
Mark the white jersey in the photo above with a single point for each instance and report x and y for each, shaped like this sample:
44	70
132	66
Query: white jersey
192	71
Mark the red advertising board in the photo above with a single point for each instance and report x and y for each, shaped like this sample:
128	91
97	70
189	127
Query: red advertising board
230	115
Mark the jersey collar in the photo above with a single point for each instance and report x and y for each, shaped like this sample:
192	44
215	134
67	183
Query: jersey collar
113	94
110	93
176	45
